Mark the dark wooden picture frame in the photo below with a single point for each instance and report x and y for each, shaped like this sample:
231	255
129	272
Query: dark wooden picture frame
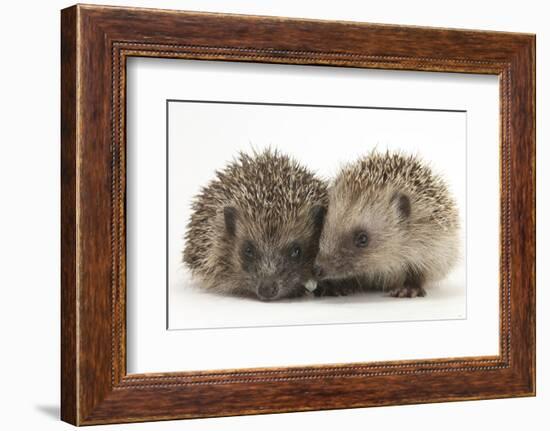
95	43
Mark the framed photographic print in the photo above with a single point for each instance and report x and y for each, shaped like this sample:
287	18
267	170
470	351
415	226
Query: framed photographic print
266	214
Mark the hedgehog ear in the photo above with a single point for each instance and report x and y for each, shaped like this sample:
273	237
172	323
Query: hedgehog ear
318	213
403	205
230	219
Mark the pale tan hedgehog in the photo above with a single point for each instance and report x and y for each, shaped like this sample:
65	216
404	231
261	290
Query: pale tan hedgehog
391	224
255	228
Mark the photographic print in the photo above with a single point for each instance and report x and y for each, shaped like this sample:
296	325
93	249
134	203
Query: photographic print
295	214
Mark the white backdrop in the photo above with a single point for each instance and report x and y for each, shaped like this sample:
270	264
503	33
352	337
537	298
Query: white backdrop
29	174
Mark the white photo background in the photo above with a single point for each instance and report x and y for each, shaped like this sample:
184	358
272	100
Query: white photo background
277	334
204	136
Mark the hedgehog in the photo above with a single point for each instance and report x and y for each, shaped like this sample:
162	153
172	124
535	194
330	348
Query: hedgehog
254	229
392	223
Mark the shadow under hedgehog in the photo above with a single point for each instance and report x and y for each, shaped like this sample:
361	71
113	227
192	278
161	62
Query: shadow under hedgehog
254	230
392	224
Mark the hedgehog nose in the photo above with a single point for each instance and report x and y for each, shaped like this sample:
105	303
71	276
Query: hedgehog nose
268	290
318	271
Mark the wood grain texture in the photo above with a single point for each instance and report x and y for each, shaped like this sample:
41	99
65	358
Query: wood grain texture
69	366
96	41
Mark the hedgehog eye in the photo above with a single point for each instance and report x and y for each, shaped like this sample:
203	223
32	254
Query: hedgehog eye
248	250
295	251
361	239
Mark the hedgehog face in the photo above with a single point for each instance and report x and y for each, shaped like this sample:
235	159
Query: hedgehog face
364	236
271	261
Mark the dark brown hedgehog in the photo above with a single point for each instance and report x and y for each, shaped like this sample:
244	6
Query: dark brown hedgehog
255	228
391	223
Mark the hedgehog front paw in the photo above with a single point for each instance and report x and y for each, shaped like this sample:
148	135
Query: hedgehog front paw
407	291
334	288
331	288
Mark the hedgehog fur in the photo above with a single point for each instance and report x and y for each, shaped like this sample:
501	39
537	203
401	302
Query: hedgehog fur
254	229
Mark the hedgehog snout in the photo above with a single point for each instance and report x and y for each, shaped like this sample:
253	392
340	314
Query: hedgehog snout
327	266
318	271
267	290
